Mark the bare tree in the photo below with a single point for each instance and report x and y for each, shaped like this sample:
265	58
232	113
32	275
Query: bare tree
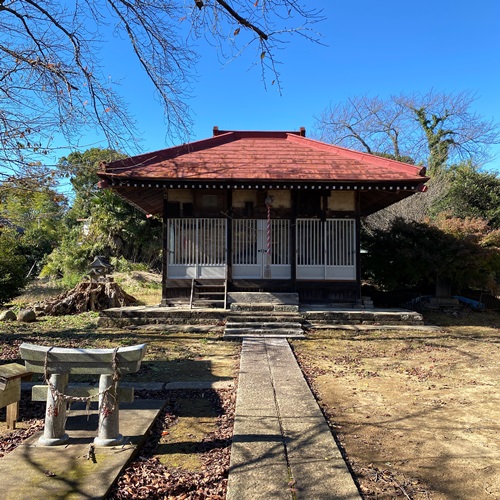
52	81
365	123
434	128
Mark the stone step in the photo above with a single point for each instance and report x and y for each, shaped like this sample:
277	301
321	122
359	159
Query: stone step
263	297
204	303
259	325
363	317
264	307
266	316
265	329
261	315
281	330
236	332
263	320
168	322
258	334
136	316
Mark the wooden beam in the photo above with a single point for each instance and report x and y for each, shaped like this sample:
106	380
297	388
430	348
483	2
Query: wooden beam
164	260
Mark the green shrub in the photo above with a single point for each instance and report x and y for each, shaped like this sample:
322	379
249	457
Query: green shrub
13	266
412	254
122	265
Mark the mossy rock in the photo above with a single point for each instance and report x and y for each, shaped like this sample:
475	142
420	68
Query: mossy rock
26	316
8	316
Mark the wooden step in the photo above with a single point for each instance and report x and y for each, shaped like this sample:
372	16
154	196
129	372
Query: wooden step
208	293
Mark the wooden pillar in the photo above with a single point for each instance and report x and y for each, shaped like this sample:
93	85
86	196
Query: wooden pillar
293	240
229	235
358	248
164	253
324	206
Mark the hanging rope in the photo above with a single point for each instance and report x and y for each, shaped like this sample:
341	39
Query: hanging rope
107	394
267	269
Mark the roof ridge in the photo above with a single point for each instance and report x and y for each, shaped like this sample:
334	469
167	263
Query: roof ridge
261	133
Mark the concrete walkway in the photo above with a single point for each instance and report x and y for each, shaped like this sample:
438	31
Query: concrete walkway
282	446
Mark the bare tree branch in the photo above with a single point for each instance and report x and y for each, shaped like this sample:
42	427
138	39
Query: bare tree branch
242	20
53	83
435	129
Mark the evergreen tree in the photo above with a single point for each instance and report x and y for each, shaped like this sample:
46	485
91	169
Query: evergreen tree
13	265
100	223
472	193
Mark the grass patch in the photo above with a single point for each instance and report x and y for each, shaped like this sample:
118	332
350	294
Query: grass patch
181	446
37	291
144	286
169	357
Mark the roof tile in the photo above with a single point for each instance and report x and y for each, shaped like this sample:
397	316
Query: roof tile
250	156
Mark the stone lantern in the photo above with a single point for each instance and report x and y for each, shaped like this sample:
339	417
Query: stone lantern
99	269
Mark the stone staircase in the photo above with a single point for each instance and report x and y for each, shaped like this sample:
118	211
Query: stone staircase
259	314
255	314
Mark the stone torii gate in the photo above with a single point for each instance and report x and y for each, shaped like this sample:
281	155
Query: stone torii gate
57	363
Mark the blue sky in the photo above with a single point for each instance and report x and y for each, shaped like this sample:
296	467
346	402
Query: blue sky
375	48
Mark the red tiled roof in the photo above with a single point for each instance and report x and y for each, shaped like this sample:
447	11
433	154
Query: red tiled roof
250	156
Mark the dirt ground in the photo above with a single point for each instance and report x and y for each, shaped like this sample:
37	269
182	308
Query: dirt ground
417	413
187	454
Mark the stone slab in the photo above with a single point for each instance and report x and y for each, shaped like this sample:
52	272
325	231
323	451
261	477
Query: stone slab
263	297
176	319
55	360
369	328
159	386
49	472
261	307
282	446
263	324
243	336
